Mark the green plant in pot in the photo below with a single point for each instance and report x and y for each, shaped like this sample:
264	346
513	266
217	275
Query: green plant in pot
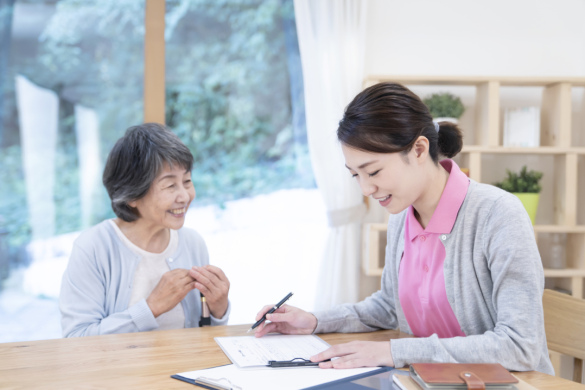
444	106
525	185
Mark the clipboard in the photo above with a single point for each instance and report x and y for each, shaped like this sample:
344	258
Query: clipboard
231	377
348	383
208	383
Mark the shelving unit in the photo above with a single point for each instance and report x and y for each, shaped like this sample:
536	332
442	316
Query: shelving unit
560	153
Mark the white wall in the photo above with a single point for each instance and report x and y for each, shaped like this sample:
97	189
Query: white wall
482	38
479	37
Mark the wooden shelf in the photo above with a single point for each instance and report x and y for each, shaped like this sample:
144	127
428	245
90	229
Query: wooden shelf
559	229
564	273
558	153
381	227
476	80
506	150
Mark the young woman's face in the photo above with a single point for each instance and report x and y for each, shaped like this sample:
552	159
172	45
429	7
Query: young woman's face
168	198
392	179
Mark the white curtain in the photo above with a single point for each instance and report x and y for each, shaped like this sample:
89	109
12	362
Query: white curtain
332	44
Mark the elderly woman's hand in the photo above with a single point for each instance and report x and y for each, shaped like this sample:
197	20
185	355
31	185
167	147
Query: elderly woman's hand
212	283
172	287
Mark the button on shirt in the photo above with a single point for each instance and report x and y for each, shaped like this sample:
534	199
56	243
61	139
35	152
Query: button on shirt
421	282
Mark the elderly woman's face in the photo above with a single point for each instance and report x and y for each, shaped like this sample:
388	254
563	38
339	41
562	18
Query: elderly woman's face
168	198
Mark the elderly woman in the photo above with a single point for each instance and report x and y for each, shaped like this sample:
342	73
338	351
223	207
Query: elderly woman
143	271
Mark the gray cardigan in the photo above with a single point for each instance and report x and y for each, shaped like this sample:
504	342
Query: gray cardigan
494	281
97	284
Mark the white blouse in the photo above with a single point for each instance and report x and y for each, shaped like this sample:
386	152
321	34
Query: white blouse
148	273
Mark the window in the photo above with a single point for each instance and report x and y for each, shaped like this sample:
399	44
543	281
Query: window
71	77
234	95
71	82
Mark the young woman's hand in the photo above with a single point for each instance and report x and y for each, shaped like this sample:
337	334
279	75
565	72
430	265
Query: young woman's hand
356	354
286	320
212	283
171	289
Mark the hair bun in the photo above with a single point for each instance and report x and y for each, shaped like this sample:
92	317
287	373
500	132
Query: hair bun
450	139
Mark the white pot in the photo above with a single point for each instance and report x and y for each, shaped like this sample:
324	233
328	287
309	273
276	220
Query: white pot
446	119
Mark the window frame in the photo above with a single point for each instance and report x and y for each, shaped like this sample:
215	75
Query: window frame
154	61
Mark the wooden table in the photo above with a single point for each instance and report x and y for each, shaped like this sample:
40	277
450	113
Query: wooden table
146	360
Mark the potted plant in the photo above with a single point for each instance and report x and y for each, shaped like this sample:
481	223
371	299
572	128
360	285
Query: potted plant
444	106
525	185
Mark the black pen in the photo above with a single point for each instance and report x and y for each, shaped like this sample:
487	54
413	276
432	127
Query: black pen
293	363
279	304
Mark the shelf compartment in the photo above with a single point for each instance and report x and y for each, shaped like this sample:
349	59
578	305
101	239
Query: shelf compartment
562	250
558	201
564	280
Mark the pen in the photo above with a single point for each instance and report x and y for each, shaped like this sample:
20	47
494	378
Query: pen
292	363
279	304
205	319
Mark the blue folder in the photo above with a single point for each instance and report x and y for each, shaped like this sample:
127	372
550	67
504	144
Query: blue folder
379	379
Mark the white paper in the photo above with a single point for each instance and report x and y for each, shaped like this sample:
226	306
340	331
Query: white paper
250	351
273	378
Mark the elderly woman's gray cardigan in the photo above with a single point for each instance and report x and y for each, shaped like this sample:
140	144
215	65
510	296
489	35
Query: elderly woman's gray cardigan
97	284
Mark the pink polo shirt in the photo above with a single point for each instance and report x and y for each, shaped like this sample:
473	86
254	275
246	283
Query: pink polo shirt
421	283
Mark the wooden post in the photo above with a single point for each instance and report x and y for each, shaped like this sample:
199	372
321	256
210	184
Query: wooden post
154	62
475	166
487	116
555	116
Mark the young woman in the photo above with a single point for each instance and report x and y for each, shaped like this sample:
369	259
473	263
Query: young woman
462	271
142	271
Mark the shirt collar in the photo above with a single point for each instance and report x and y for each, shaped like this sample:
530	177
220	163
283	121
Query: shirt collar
451	200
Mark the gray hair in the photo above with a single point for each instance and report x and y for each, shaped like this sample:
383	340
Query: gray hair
136	160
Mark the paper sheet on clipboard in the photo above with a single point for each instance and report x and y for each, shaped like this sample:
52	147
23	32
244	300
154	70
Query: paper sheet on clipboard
250	351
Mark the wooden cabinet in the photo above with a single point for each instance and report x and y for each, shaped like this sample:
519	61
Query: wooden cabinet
560	221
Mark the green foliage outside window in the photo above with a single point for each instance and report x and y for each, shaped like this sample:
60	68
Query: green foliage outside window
229	97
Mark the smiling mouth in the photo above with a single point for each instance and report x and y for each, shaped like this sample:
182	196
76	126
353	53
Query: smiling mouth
384	199
178	211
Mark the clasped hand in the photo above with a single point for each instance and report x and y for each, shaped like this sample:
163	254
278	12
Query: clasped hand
212	283
174	285
292	320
